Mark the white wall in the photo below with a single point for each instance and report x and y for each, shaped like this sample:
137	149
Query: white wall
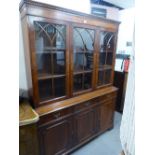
78	5
126	30
22	70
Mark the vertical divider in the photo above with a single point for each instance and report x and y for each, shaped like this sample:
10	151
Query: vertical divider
71	59
96	58
67	60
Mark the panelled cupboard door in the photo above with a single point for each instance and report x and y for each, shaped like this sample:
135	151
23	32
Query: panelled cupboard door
84	124
83	49
106	115
55	139
106	53
50	54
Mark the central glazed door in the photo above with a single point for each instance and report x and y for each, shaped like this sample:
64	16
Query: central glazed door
82	59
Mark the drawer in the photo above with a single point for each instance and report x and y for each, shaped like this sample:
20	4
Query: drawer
85	105
106	97
54	116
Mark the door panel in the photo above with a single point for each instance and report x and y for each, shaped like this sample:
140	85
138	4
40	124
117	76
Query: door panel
56	139
106	115
84	125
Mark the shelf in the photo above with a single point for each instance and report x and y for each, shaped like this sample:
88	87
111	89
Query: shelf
54	49
45	76
104	67
82	71
49	52
106	50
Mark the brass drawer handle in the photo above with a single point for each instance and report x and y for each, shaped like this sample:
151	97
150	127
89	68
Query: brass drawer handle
57	115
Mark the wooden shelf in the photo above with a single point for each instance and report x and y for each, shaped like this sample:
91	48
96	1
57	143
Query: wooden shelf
45	76
104	67
49	52
82	71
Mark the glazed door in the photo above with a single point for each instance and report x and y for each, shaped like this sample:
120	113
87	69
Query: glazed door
82	59
50	64
105	55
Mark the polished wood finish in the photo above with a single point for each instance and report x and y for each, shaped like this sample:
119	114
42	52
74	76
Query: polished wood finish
76	100
68	119
28	140
26	114
69	128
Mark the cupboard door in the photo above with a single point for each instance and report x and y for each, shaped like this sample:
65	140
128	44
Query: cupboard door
105	58
83	58
84	125
106	115
56	139
50	54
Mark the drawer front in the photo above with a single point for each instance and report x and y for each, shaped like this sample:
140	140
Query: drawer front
85	105
107	97
58	115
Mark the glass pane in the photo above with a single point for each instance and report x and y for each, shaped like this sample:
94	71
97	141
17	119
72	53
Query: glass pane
59	63
102	59
49	36
107	76
87	80
50	46
109	58
83	39
59	84
45	89
44	64
83	42
100	78
78	82
104	77
106	41
78	62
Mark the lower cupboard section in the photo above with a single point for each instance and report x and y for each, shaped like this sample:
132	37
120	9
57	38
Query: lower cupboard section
69	130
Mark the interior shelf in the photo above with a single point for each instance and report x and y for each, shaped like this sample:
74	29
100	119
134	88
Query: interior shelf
104	67
45	76
82	71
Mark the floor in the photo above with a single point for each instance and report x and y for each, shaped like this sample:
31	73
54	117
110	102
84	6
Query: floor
106	144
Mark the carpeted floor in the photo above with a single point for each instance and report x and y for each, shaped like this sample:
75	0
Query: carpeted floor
106	144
